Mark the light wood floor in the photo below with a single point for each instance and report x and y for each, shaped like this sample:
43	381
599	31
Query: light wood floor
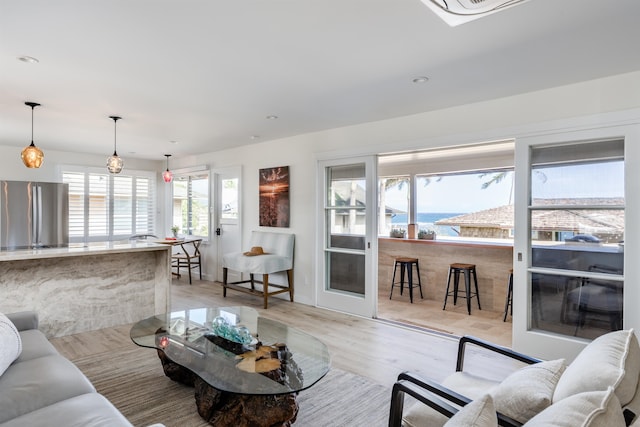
371	348
455	320
368	347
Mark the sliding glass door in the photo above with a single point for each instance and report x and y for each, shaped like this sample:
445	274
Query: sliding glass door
345	275
569	278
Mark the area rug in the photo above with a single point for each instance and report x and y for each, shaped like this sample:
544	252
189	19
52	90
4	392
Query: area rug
133	380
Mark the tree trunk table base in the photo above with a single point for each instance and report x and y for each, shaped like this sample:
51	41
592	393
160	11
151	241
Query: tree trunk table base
234	410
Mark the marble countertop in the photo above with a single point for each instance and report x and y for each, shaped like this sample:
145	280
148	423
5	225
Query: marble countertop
80	249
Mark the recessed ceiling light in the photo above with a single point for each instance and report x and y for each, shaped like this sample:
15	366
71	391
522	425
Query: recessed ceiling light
255	136
28	59
272	117
173	142
420	79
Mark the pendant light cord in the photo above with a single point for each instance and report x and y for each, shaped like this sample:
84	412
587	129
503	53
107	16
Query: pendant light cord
115	131
33	105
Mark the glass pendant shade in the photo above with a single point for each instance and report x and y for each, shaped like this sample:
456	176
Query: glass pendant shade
32	156
167	175
115	163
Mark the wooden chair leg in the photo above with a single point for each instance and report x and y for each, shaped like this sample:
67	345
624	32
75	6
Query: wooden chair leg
224	282
189	268
265	282
290	279
253	286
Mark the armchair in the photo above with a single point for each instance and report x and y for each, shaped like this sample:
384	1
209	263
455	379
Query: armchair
600	387
274	254
441	397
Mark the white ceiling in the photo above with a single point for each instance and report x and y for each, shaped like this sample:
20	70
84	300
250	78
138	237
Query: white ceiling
206	73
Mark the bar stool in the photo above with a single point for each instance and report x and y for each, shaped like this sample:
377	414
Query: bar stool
455	270
509	302
406	264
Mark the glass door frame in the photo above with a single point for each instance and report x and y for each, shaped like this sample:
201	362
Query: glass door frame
547	345
365	305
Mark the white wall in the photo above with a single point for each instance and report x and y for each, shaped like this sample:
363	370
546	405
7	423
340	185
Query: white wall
12	168
497	119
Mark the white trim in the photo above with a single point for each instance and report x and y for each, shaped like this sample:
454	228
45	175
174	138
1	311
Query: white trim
366	305
189	170
548	345
550	127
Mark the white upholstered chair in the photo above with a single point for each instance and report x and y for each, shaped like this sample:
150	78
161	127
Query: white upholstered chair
277	257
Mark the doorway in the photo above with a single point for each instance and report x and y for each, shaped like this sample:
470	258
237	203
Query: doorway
227	217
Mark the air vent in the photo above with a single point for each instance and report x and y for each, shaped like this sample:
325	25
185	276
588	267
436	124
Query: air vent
456	12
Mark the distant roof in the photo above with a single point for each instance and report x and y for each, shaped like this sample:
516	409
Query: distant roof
593	221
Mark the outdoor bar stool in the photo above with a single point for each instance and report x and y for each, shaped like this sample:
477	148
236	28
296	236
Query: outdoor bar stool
509	302
406	264
467	269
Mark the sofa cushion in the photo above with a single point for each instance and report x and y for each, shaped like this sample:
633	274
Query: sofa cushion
90	409
617	358
480	412
34	344
36	383
24	320
588	409
529	390
10	343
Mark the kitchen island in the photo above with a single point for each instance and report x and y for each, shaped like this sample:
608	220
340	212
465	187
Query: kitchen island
87	287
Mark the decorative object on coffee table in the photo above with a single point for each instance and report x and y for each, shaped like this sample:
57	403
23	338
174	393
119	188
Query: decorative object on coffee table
249	381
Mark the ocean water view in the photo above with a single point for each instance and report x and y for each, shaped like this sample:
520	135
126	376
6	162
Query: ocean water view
427	220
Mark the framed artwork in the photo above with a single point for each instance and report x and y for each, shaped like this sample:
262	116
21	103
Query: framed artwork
274	197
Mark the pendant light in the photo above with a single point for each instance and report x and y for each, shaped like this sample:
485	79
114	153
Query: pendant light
32	156
114	163
167	175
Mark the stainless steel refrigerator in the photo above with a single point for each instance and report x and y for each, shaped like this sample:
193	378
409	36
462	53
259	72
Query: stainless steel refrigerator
33	215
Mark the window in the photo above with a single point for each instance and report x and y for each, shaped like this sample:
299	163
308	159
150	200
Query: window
393	203
108	207
191	204
229	198
460	193
577	216
466	206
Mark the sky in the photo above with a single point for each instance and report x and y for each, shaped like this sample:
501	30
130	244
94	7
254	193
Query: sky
463	193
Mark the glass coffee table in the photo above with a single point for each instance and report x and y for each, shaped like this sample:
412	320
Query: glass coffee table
246	369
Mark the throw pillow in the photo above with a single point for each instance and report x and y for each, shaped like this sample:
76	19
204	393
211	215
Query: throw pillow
612	359
588	409
10	343
529	390
478	413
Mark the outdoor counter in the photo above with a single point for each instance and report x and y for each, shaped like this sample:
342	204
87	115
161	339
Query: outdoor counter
493	262
87	287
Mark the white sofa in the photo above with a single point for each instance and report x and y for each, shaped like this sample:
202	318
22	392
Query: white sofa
600	387
39	387
277	257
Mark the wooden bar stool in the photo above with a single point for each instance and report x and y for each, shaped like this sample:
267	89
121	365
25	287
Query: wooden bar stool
455	270
509	302
406	264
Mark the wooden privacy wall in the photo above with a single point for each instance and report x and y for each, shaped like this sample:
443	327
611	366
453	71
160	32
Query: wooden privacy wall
492	264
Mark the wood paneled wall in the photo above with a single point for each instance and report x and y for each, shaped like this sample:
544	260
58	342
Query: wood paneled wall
492	267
